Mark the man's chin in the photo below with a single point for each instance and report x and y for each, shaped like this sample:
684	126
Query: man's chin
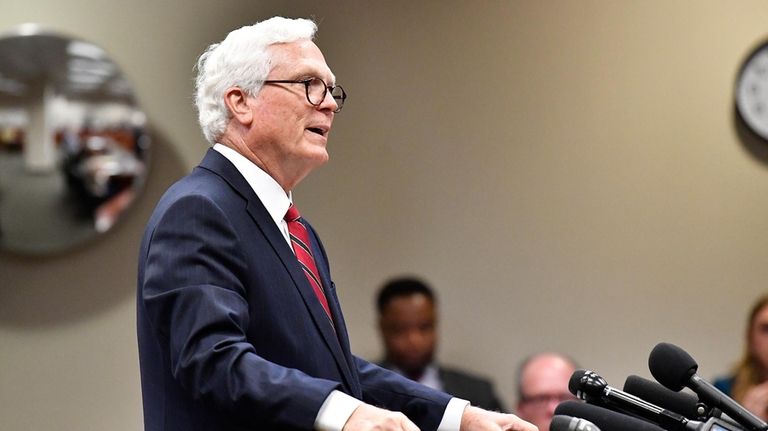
319	156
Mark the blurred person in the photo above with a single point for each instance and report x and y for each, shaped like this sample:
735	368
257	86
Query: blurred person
542	384
239	325
408	325
748	381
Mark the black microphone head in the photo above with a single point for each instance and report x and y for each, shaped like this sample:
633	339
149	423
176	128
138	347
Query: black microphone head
586	383
671	366
682	403
568	423
606	419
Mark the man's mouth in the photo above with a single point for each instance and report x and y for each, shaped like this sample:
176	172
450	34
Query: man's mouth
318	130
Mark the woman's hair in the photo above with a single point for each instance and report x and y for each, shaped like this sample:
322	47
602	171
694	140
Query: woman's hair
241	60
748	371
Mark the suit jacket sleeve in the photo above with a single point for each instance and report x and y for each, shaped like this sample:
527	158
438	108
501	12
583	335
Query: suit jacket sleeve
382	387
191	294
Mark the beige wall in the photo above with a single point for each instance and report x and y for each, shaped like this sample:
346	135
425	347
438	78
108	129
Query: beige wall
568	174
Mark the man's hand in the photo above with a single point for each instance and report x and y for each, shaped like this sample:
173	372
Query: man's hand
368	417
477	419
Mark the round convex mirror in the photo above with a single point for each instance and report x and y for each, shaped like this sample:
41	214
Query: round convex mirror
73	142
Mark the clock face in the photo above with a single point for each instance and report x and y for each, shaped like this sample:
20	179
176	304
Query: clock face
752	91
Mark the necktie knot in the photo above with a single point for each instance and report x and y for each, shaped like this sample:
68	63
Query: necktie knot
292	214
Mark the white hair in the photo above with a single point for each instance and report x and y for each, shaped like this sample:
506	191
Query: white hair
240	60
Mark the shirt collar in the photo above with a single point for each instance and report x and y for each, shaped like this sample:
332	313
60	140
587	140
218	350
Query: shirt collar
271	194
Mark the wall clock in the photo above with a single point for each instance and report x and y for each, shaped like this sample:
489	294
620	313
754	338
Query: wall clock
752	91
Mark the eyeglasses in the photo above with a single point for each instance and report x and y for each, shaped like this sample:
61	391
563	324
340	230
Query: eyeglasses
316	90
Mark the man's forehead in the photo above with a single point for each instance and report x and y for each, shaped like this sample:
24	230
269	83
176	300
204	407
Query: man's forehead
300	57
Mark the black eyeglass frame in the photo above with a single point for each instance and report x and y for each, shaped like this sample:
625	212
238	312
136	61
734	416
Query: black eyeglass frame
306	82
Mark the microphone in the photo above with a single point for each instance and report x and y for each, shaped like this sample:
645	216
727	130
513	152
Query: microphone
606	419
674	368
683	403
568	423
592	388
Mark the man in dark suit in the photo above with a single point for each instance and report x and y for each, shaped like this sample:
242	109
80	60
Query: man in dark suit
239	325
407	309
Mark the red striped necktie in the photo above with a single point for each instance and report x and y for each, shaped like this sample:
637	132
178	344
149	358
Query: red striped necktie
303	250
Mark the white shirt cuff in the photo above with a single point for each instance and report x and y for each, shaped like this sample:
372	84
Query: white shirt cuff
336	410
338	407
452	416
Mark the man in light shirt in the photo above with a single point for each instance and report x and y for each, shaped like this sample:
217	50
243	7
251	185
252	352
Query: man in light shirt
239	325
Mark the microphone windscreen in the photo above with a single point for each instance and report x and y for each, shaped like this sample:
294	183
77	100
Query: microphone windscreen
681	403
606	420
671	366
567	423
560	423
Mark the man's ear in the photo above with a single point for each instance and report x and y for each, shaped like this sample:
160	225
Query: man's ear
237	103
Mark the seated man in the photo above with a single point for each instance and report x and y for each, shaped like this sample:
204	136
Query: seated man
542	384
408	324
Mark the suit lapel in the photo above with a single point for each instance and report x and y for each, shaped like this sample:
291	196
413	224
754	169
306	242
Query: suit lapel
219	164
321	259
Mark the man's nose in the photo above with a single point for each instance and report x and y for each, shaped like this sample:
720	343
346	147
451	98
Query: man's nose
415	337
328	101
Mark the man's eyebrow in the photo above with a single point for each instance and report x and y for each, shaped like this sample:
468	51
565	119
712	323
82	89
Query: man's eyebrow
306	73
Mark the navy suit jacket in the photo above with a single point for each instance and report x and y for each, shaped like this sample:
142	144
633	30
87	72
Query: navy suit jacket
231	335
